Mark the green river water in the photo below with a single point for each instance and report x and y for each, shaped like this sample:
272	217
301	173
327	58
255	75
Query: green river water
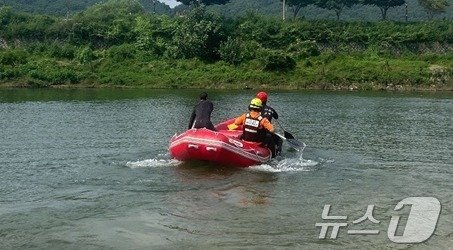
90	169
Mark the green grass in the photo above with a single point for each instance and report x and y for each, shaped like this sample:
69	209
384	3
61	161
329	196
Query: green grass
327	71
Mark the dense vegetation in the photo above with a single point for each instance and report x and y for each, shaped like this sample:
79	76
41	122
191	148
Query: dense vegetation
310	10
351	10
119	43
64	7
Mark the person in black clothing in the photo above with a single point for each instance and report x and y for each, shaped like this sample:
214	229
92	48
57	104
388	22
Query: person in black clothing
267	111
274	141
201	115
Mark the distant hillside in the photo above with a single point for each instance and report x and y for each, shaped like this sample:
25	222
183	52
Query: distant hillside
237	8
357	13
60	7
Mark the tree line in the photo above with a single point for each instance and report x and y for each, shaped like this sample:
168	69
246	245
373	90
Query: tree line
232	7
70	7
198	31
433	7
118	40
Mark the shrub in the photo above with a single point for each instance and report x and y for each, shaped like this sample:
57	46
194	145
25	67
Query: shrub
278	62
86	55
198	35
303	49
36	48
13	57
8	73
122	52
235	51
65	51
232	51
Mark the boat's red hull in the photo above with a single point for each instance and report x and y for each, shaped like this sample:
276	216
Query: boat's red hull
221	147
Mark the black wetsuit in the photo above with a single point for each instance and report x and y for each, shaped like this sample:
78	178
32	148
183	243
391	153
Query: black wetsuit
201	115
273	142
269	113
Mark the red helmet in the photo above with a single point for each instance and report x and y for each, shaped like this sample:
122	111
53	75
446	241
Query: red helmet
262	96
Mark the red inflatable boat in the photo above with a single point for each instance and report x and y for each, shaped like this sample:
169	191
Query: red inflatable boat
222	147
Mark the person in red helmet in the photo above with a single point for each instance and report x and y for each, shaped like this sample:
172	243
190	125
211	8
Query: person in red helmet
269	113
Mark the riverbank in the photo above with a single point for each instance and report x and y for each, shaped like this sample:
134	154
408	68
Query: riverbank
329	87
340	73
118	45
353	87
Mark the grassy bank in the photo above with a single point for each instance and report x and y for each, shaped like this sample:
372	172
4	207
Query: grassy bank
326	71
117	44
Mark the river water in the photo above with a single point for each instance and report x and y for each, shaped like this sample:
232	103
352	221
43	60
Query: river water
90	169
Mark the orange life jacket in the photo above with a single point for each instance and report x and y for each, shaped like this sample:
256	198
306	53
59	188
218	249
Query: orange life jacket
251	130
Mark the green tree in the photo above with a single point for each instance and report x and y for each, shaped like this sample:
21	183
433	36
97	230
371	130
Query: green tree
232	51
384	5
278	62
197	35
23	25
235	50
268	32
205	2
143	28
433	7
336	5
86	55
297	5
154	32
105	24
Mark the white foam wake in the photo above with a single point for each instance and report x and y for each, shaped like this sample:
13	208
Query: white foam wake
153	163
287	165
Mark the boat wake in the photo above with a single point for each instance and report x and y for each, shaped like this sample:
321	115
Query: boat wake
295	164
162	160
